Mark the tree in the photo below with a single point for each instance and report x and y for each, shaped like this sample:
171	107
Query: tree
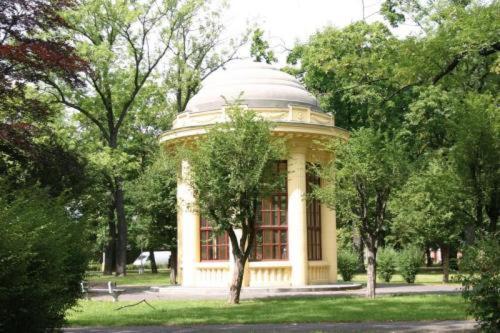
476	152
198	48
259	49
366	171
30	150
353	71
153	202
231	171
43	253
124	42
480	277
416	87
27	53
429	209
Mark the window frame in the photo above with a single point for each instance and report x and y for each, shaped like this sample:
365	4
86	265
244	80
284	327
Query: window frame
206	228
313	217
267	207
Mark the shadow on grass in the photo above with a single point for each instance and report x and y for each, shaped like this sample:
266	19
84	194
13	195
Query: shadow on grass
289	310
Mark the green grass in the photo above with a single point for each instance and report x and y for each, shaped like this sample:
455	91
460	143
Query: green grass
131	279
423	278
163	278
288	310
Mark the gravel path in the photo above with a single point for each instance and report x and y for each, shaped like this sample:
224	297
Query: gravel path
419	326
180	293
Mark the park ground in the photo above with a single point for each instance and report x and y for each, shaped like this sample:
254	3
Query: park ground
284	310
162	278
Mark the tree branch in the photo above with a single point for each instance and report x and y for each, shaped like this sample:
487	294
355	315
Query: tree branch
86	113
495	47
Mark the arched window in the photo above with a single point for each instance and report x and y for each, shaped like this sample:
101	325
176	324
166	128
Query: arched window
271	239
313	213
212	247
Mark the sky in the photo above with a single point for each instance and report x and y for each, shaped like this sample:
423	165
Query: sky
287	21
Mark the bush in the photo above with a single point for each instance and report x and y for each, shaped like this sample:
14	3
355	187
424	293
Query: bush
409	261
43	260
480	278
386	263
347	263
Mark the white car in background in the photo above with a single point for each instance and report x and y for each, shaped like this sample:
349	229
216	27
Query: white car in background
161	258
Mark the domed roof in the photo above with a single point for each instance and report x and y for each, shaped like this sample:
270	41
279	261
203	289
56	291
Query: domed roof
257	85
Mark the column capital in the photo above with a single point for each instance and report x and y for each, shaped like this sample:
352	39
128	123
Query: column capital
298	146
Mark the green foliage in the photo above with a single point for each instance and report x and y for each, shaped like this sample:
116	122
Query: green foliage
353	73
199	46
153	205
260	48
476	132
347	263
386	263
230	168
409	261
43	255
366	168
480	278
344	237
429	207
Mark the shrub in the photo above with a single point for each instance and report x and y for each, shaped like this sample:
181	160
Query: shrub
347	263
43	260
386	263
480	277
409	261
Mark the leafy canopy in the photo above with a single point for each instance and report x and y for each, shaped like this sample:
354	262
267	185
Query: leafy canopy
231	168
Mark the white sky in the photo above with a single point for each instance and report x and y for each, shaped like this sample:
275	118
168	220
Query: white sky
286	21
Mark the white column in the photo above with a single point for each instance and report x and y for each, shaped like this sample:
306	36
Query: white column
189	222
297	224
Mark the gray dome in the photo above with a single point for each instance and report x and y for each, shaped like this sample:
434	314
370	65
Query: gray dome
260	86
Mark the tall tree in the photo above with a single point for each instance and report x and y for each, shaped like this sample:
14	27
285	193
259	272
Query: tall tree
199	47
30	150
353	73
231	171
124	42
153	202
476	153
361	180
431	209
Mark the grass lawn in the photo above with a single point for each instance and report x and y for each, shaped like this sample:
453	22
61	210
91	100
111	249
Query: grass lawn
288	310
132	278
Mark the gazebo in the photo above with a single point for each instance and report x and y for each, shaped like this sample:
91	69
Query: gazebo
296	236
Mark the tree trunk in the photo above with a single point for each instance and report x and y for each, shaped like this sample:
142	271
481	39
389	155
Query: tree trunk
470	233
493	208
152	259
360	250
110	249
445	259
173	266
121	244
235	289
428	256
371	271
